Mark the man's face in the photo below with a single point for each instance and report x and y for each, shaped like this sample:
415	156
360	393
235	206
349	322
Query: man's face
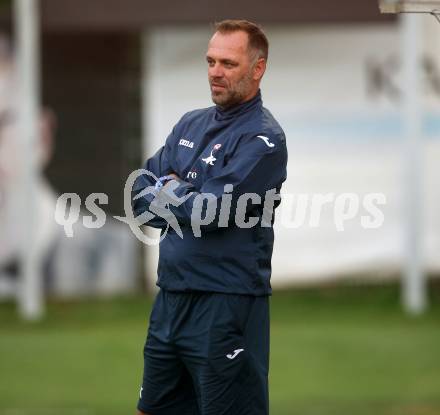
230	69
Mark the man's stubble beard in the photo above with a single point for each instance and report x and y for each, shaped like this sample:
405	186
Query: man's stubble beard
229	98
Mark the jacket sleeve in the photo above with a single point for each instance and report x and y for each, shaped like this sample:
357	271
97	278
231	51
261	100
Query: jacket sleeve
159	165
255	167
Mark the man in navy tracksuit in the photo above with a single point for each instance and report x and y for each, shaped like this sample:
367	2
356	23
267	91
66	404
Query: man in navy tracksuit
207	349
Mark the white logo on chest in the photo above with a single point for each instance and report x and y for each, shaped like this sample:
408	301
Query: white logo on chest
186	143
211	159
191	175
266	140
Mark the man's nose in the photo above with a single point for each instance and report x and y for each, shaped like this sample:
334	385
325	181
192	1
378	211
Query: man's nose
216	71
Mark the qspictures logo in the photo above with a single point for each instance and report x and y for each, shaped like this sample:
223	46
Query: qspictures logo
208	210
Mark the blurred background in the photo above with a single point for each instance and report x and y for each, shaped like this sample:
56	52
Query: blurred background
100	84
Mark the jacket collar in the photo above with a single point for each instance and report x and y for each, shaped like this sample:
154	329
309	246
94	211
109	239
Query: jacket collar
237	110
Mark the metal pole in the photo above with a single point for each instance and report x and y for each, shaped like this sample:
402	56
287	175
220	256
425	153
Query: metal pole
414	289
26	20
148	147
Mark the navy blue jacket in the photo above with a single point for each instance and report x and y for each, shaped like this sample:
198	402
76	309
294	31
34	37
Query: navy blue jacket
243	146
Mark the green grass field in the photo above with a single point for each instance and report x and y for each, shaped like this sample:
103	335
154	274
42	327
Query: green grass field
337	351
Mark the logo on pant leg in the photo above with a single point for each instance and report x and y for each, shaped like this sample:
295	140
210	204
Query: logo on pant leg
235	354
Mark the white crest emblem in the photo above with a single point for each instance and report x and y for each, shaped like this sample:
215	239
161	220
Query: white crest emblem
211	159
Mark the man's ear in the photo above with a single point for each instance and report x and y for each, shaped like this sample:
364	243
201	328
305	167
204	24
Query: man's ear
259	69
48	125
